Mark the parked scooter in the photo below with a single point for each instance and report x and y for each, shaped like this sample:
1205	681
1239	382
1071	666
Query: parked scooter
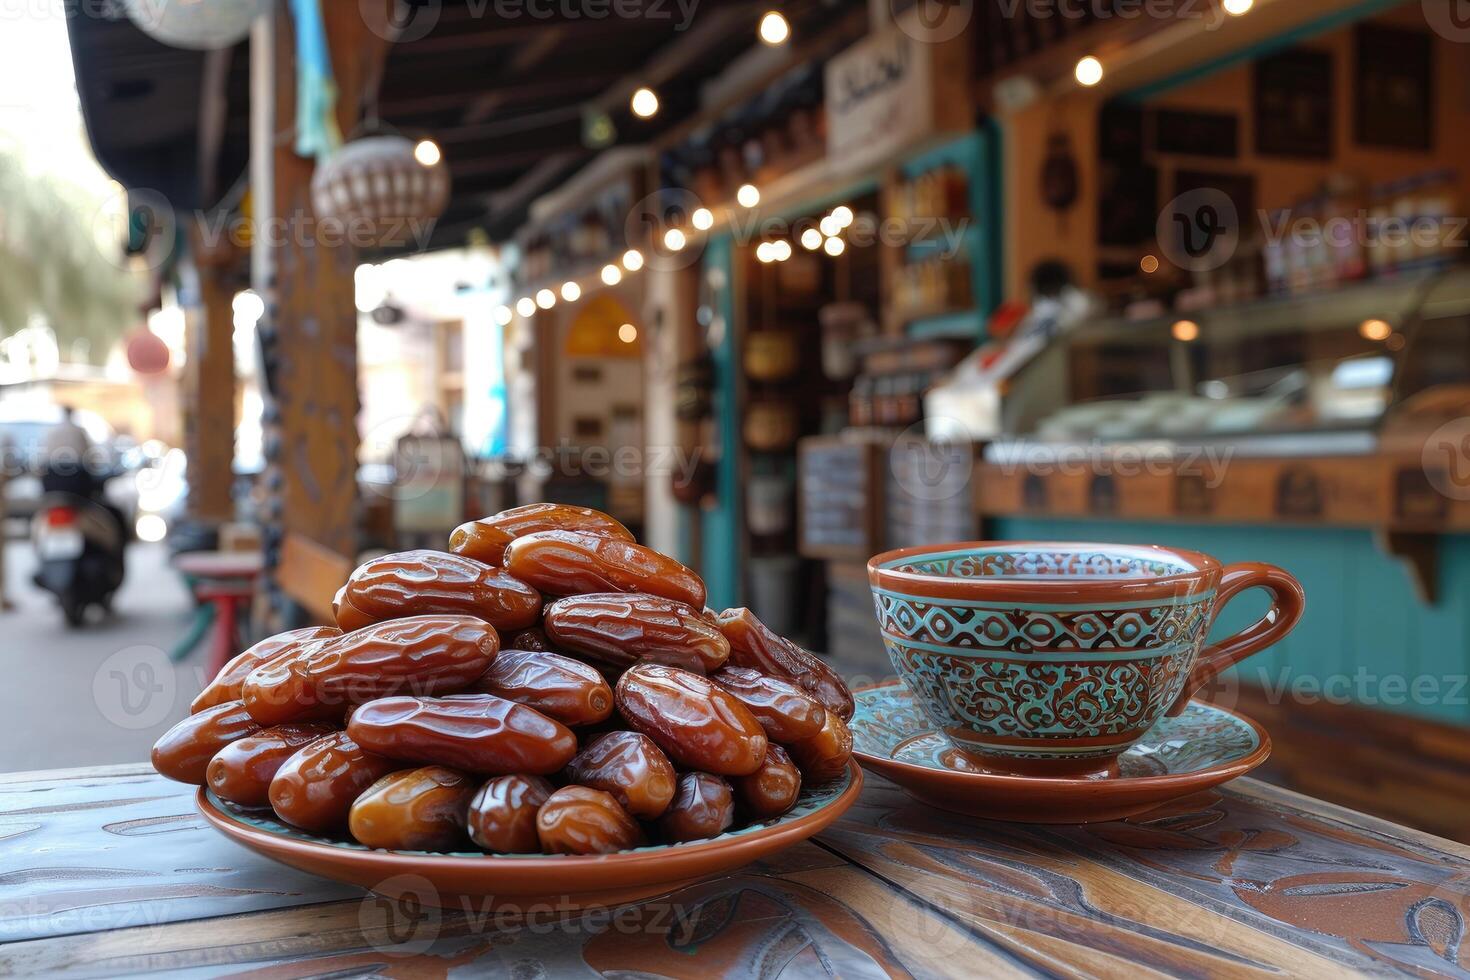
79	546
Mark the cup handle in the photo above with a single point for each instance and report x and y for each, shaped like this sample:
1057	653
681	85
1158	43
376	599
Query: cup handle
1287	603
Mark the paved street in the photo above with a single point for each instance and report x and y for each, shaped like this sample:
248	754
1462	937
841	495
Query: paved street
100	694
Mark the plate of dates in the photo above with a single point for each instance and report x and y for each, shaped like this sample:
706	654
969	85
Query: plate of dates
544	712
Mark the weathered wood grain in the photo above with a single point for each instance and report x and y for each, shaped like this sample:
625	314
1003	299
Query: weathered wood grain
106	872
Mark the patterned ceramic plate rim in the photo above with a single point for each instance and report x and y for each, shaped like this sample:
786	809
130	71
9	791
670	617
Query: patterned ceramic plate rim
817	805
1229	767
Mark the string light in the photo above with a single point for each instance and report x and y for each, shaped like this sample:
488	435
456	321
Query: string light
781	250
1149	264
503	315
748	195
545	299
632	260
834	246
843	215
674	240
627	333
644	103
427	153
830	226
811	239
1375	330
526	306
611	275
763	252
774	28
1238	8
702	218
1185	331
570	292
1089	71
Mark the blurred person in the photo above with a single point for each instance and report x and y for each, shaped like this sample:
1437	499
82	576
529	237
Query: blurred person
67	448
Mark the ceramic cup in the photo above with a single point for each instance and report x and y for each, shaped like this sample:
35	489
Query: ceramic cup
1053	658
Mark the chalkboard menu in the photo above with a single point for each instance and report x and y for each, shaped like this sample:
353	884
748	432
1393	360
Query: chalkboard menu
931	497
840	498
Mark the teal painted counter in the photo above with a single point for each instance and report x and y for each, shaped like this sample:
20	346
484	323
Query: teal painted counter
1366	637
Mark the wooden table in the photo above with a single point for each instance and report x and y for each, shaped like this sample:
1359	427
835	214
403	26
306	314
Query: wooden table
107	872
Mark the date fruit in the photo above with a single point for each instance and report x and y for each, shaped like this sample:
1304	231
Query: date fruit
630	767
347	616
485	540
824	756
581	820
703	807
183	752
414	810
753	645
242	771
772	789
566	563
502	816
228	682
784	710
697	724
417	583
561	688
315	788
423	654
619	630
477	733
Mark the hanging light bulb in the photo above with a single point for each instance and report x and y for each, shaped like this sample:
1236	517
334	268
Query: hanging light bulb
611	275
748	195
503	315
632	260
427	153
843	215
526	306
644	103
830	226
781	250
1089	71
702	218
835	246
627	333
674	240
774	28
545	299
811	239
763	252
1185	331
1238	8
570	291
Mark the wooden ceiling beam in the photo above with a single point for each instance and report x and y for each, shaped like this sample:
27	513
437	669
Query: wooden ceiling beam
396	102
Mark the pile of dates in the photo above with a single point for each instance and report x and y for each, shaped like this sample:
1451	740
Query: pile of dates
547	685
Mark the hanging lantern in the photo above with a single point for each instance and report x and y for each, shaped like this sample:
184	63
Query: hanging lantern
386	191
199	24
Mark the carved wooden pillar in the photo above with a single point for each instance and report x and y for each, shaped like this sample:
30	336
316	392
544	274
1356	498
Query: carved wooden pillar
309	333
209	421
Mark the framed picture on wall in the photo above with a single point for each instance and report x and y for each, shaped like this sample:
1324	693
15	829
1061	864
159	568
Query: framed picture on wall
1393	104
1198	134
1293	104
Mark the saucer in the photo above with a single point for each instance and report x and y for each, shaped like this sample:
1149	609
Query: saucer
1203	747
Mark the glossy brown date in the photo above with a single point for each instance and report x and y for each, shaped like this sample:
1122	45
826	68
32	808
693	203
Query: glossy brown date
315	788
697	724
423	654
418	583
561	688
620	630
485	540
477	733
581	820
703	807
753	645
786	712
630	767
502	815
414	810
566	563
772	789
183	752
533	638
242	771
824	756
228	682
347	616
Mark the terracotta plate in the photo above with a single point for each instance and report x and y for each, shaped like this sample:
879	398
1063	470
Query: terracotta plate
1203	747
509	881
